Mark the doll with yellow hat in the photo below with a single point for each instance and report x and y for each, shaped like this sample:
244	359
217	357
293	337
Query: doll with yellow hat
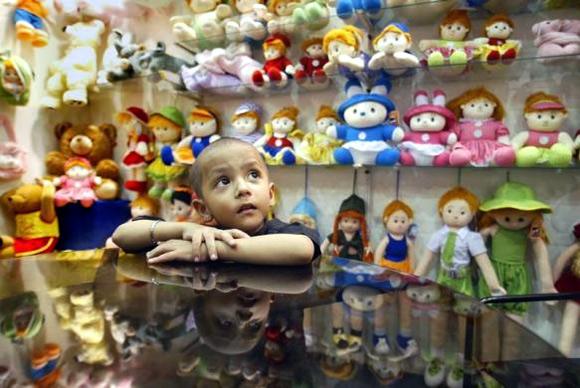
277	144
203	129
317	147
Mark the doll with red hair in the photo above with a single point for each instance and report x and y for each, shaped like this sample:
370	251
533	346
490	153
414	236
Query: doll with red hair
277	68
312	63
349	237
396	250
496	44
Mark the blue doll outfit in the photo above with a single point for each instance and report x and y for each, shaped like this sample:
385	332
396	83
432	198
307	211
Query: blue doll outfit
396	249
198	144
22	15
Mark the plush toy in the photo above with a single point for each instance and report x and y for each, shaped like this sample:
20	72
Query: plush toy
12	156
312	14
557	37
512	221
167	126
456	246
181	203
276	144
160	64
246	122
204	29
28	21
305	213
21	318
279	17
75	73
251	24
483	138
317	147
396	250
349	238
77	184
431	126
44	365
140	147
544	143
278	68
95	143
496	45
144	205
420	12
115	13
35	218
311	66
567	272
346	56
121	59
452	47
373	9
392	53
368	130
15	79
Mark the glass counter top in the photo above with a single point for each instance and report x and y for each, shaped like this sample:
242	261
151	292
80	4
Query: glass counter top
94	318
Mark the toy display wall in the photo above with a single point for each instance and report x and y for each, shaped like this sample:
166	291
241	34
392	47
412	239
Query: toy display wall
328	186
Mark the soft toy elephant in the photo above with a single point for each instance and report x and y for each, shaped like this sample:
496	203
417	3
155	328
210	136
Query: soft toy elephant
557	37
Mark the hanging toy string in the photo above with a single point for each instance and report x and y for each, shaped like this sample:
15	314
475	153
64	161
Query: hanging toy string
306	173
354	179
508	176
459	176
397	184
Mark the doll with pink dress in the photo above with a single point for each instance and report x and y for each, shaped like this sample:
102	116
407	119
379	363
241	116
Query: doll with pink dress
78	183
483	139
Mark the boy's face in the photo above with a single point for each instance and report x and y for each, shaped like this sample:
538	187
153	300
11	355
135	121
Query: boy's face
236	188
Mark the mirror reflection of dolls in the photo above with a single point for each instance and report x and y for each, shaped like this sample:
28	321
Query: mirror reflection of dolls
483	138
396	250
246	122
276	144
567	272
349	238
78	183
317	147
496	44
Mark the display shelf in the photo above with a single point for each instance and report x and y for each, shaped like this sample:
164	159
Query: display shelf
556	170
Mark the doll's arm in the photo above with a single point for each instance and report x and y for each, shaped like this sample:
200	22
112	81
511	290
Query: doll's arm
411	253
564	258
325	246
542	264
380	250
376	61
519	140
428	44
354	64
565	139
424	266
489	274
261	141
406	59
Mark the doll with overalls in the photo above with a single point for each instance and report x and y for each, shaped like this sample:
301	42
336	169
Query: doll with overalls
396	250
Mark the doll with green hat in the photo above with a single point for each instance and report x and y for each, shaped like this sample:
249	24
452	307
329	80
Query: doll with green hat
15	79
167	126
513	222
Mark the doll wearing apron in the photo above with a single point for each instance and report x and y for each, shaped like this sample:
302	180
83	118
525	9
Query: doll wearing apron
347	247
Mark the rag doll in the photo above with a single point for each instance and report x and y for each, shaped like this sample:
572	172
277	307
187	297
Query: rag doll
144	206
392	50
482	137
346	57
305	213
349	237
280	16
396	250
431	126
496	44
78	183
367	131
15	79
317	147
567	273
557	38
311	66
140	147
457	247
452	47
167	126
513	222
29	20
277	68
181	203
251	24
277	144
545	142
246	122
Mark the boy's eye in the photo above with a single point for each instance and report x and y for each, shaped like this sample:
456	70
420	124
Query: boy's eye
254	174
254	326
226	323
223	181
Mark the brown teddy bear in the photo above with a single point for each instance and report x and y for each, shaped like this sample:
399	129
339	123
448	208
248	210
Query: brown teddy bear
92	142
35	217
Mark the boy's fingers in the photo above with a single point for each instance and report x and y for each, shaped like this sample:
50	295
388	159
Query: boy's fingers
158	250
210	245
226	238
236	233
169	256
196	241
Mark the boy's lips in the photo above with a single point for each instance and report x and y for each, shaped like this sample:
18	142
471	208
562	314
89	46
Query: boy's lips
246	208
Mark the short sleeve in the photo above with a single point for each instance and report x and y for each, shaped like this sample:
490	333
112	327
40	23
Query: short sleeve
475	244
501	130
277	227
434	244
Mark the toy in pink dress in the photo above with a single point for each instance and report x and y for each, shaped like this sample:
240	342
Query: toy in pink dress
78	184
483	139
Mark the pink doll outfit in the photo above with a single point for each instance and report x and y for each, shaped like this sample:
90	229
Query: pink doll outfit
73	190
477	144
542	139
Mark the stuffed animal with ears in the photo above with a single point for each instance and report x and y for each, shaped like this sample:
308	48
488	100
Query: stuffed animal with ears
557	37
121	59
162	65
368	130
15	79
29	20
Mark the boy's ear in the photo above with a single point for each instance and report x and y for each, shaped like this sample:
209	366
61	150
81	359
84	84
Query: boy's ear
203	211
272	194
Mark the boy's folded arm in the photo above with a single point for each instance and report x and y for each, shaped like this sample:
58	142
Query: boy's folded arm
136	236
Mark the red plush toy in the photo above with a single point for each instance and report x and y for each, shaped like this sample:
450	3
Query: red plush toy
277	68
311	65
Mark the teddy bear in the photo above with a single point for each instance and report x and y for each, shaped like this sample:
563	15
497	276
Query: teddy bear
35	218
557	37
92	142
75	73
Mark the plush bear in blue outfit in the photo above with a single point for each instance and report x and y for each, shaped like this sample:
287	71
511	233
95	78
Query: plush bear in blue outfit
368	131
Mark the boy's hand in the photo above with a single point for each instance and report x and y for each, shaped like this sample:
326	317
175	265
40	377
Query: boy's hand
172	250
198	235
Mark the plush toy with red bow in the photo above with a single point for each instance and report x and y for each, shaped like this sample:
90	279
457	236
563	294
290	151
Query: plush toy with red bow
278	68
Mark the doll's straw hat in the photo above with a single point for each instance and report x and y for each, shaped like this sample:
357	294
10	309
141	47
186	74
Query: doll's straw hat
514	195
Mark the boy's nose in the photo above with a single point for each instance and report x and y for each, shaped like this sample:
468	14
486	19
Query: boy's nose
244	315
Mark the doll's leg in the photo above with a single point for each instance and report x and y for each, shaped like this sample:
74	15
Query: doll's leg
528	156
559	156
405	342
455	376
388	157
436	58
23	23
258	78
87	199
339	338
460	156
61	199
380	339
344	9
343	156
55	86
40	38
435	369
77	82
459	57
407	159
569	327
504	156
442	159
157	189
356	327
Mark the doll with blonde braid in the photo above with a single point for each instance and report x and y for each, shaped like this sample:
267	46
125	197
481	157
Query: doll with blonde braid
317	147
277	144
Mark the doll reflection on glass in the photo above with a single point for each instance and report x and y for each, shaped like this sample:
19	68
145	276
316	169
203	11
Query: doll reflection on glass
396	250
317	147
349	238
246	122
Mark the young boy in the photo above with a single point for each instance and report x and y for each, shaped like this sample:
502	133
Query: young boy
232	182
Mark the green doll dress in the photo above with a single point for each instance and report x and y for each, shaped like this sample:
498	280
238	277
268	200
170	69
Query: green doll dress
508	257
461	281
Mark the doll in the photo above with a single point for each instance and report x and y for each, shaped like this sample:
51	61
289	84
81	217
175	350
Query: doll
396	250
392	53
567	271
452	47
166	125
312	63
280	16
277	68
431	133
251	24
15	79
496	45
373	9
368	129
343	46
349	237
317	147
140	147
483	139
457	246
28	20
246	122
12	156
182	203
77	184
276	145
305	213
144	206
513	222
544	143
